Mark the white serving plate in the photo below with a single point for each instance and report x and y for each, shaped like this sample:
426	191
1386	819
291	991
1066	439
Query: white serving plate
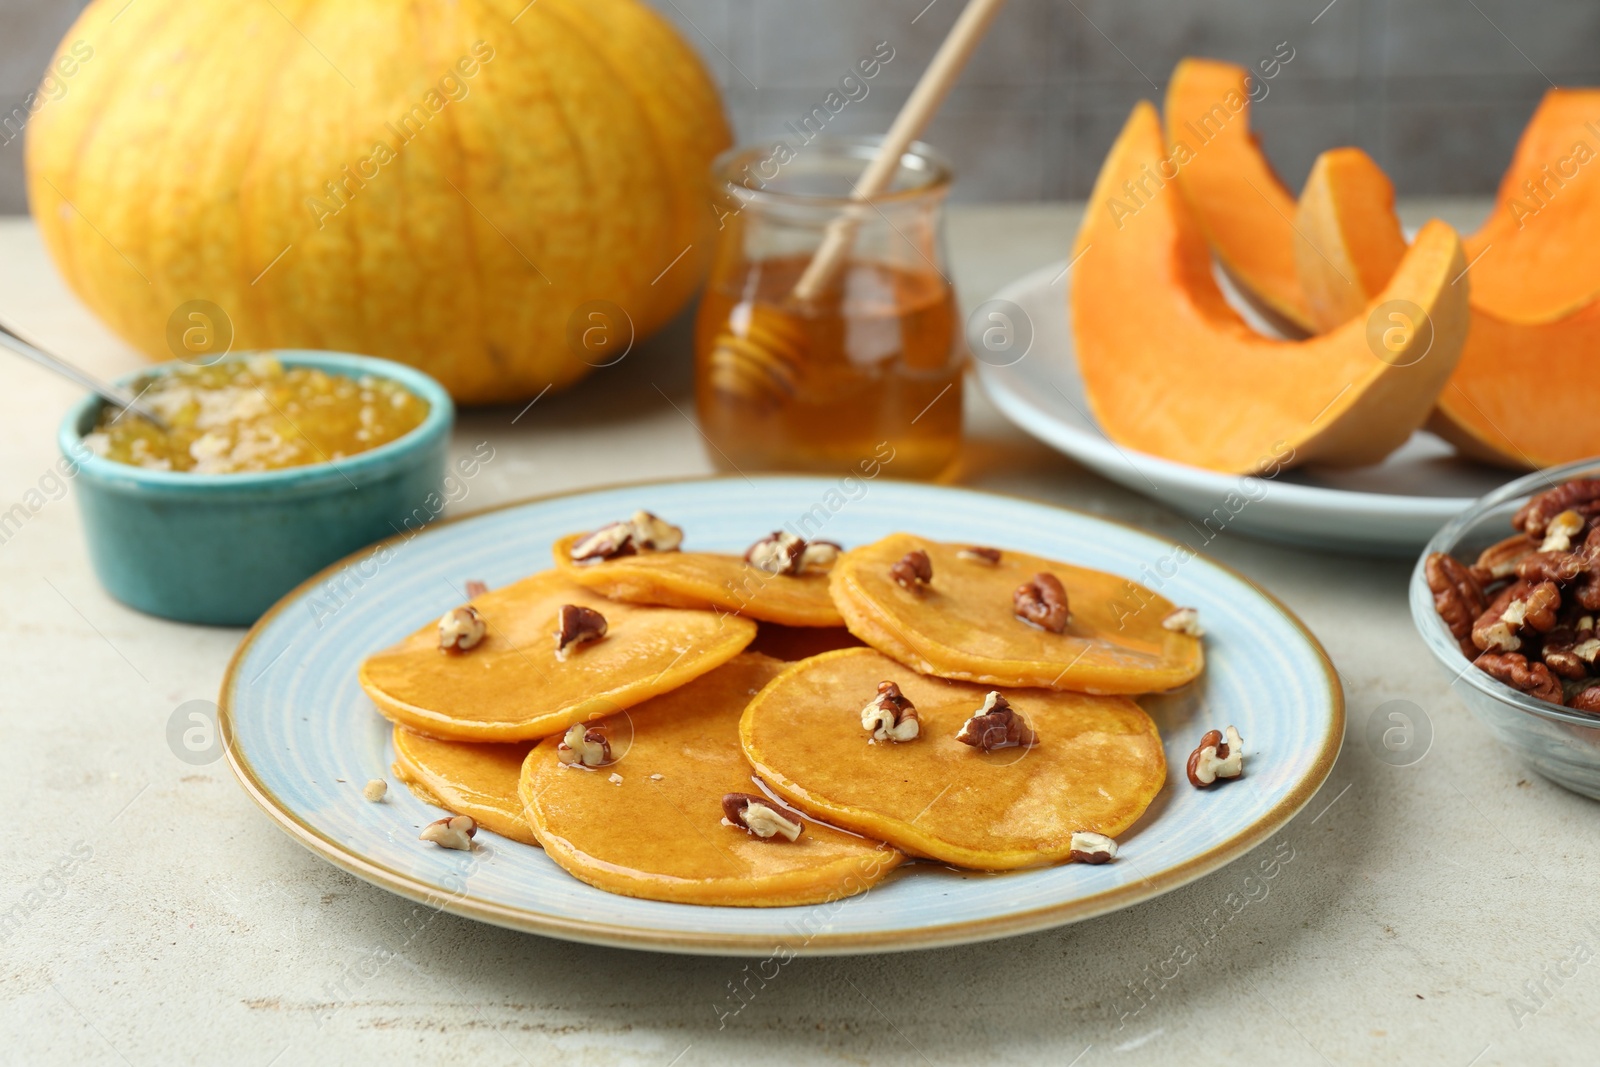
1392	508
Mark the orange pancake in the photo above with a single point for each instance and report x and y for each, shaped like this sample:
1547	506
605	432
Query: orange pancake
650	824
512	686
1097	765
710	581
963	625
479	780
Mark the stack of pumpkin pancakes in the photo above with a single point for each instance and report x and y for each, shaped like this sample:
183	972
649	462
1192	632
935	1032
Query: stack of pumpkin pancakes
789	726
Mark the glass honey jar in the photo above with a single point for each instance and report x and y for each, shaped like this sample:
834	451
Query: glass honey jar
858	365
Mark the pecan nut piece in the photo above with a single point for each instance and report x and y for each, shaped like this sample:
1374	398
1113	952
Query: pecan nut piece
577	625
1534	517
1089	847
1560	532
1184	621
980	554
1500	560
642	533
461	628
996	725
584	745
914	570
1570	652
454	831
609	542
782	553
777	553
1042	602
1513	669
1550	566
1520	607
1587	588
760	817
1586	700
1457	595
891	716
1215	758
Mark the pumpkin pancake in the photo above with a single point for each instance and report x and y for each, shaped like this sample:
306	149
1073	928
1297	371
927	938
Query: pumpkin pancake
479	780
710	581
1097	764
650	824
511	685
962	623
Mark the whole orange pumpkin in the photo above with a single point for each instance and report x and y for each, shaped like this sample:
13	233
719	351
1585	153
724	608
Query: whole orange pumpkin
450	184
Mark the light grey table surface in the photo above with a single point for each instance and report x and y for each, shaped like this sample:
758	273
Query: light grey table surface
1437	913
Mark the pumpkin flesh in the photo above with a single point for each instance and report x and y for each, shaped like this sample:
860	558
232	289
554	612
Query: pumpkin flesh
1499	405
1533	260
1242	205
1170	369
1341	262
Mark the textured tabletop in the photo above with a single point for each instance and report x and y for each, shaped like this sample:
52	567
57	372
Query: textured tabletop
1432	913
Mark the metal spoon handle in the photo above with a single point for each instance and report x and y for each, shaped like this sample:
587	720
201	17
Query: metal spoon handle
112	393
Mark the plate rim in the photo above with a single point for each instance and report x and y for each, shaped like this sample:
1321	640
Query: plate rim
711	942
1014	405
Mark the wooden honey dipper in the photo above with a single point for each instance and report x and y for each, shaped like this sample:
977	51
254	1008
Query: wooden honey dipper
762	362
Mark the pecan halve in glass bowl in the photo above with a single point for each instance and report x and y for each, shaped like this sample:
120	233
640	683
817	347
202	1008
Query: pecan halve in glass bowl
1561	744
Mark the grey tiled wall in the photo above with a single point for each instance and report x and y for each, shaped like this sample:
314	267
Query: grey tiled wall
1436	90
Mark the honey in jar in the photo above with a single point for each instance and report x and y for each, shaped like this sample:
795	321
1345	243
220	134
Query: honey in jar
866	371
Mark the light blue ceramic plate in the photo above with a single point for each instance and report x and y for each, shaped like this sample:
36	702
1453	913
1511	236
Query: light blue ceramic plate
303	738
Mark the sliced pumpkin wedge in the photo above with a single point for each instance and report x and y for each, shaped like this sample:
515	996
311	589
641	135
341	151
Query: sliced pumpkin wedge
1534	258
1342	261
1170	369
1097	765
1498	406
652	823
1243	206
479	780
514	686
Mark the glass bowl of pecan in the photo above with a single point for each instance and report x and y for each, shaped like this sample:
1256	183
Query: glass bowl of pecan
1506	596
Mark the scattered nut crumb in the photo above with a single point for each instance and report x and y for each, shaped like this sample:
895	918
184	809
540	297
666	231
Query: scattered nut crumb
891	716
456	832
1215	758
1088	847
759	817
375	790
643	533
655	777
914	570
461	628
1184	621
577	625
584	745
615	779
1043	603
996	725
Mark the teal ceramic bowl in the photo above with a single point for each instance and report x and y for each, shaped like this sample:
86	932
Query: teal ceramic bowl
220	549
